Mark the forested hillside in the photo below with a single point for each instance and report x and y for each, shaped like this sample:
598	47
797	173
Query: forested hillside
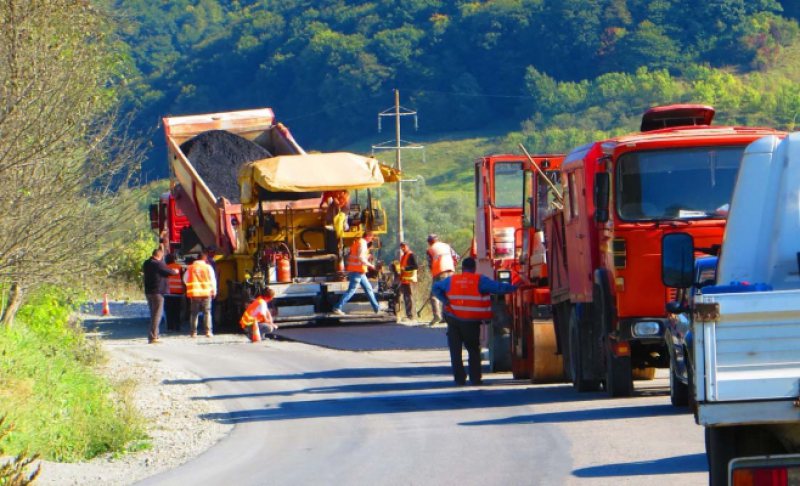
328	67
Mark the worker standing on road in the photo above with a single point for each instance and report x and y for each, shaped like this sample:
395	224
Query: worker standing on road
176	295
201	288
467	303
257	319
408	277
155	286
442	261
357	266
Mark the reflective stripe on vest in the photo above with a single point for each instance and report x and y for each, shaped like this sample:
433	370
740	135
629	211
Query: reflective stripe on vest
252	315
407	276
198	280
174	282
354	263
466	302
441	258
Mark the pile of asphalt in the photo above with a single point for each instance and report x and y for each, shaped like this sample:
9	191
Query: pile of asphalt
218	155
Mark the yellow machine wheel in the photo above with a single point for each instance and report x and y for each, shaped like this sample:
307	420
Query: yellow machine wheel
548	366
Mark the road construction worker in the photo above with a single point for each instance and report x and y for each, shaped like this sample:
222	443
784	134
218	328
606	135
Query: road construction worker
175	298
358	264
201	288
257	319
467	303
155	286
408	277
442	261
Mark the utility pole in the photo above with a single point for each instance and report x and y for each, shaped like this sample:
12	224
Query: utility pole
399	145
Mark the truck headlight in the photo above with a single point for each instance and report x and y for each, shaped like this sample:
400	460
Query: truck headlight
646	328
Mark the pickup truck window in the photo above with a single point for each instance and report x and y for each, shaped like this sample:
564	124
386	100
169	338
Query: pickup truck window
679	183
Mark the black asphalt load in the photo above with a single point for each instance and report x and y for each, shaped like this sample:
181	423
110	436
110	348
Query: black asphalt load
218	155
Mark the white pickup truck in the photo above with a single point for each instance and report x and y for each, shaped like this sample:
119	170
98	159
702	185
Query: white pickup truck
746	329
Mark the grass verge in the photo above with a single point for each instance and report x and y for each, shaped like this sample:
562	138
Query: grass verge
62	409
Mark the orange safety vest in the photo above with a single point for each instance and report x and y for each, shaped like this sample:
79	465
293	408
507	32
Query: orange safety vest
252	315
407	276
441	258
354	263
174	282
199	282
465	301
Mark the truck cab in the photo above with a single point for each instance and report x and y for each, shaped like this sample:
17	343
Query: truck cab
509	247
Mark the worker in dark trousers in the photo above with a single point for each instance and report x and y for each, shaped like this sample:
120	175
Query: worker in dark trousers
467	303
155	286
408	278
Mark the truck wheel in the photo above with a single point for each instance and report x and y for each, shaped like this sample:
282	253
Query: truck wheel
576	352
619	378
720	449
499	345
678	391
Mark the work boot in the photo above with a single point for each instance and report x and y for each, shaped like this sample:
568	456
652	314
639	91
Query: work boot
338	312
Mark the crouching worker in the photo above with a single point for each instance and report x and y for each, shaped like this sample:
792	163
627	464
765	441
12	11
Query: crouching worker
257	319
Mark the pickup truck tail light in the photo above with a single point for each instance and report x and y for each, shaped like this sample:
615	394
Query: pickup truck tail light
766	471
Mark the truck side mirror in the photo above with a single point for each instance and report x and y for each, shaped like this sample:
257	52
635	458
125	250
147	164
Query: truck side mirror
602	183
677	260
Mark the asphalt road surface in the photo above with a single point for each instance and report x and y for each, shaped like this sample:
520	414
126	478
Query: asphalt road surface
375	405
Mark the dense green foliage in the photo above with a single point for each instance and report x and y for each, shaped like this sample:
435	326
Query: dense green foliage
329	67
60	407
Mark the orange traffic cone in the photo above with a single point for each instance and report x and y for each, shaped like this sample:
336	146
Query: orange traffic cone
106	310
255	334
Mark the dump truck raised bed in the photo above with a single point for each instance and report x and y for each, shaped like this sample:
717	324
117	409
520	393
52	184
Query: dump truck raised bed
251	193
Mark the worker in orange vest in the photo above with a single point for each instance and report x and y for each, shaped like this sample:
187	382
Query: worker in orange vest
257	319
175	298
358	263
201	288
408	277
467	303
442	261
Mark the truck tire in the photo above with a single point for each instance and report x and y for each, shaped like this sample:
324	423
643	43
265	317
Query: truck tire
720	449
499	347
619	377
619	373
678	390
577	352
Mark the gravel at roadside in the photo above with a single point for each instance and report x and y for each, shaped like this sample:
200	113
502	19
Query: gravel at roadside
172	415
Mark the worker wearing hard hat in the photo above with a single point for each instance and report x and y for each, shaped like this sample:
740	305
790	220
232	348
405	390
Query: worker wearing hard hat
467	303
442	261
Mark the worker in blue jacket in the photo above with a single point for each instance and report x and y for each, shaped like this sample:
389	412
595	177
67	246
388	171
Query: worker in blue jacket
467	303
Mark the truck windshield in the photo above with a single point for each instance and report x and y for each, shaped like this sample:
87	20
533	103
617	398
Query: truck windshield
508	185
681	183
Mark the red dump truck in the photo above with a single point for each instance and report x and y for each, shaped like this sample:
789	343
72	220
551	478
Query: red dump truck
511	196
621	196
241	184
